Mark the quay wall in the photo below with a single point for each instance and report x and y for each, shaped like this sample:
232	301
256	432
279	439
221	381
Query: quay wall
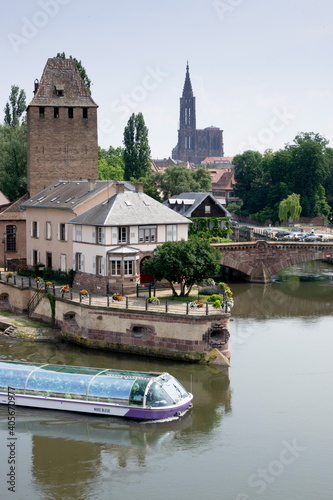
203	339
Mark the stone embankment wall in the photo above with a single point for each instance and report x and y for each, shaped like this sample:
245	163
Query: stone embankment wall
202	339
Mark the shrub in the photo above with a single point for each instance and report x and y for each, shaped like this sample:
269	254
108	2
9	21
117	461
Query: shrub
214	298
217	304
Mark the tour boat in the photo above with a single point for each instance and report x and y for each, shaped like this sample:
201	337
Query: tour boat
120	393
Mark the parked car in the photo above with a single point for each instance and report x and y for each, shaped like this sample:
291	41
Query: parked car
233	223
268	232
281	234
295	236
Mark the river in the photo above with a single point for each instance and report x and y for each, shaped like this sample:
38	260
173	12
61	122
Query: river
262	429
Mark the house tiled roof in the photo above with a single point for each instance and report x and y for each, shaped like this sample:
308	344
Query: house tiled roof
222	179
14	211
218	159
129	208
190	201
68	194
62	75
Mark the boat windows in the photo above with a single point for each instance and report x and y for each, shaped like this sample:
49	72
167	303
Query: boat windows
157	396
173	387
138	392
14	375
114	388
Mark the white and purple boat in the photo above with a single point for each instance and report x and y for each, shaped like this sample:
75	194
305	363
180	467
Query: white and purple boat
119	393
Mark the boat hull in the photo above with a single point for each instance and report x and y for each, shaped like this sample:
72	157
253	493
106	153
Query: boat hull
96	408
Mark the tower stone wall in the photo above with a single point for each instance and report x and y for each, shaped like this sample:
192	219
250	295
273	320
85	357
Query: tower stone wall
62	128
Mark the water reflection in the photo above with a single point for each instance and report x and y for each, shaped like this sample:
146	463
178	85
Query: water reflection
304	290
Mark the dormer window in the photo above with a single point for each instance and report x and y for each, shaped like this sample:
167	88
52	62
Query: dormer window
59	90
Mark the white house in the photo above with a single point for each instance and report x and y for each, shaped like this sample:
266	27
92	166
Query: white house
48	239
112	240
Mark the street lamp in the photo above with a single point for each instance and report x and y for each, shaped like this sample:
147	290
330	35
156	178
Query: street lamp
4	240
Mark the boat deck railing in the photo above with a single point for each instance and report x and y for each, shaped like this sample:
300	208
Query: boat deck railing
127	302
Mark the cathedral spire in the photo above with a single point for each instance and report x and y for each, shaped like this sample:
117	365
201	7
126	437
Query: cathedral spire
187	90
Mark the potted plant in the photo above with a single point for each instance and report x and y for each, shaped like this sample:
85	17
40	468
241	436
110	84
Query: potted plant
117	296
8	275
39	281
65	289
155	301
84	293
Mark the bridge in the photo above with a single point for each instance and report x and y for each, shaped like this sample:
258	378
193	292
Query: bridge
258	261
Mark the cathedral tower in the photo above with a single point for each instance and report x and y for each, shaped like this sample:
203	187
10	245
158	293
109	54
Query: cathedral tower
62	128
194	145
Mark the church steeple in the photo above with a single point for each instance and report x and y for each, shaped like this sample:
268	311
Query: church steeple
187	105
187	90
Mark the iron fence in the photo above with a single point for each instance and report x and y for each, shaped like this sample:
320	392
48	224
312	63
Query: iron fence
116	300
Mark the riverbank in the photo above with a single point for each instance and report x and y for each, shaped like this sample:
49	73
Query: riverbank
20	326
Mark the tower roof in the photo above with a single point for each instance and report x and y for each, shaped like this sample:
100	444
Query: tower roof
61	85
187	90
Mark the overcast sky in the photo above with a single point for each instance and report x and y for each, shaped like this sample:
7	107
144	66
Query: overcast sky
261	70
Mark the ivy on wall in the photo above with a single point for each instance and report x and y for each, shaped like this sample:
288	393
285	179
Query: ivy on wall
209	227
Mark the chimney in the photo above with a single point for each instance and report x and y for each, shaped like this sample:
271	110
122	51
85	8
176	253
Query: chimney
91	184
139	187
36	85
120	187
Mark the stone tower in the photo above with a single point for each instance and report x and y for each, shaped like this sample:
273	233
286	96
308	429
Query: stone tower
194	145
62	128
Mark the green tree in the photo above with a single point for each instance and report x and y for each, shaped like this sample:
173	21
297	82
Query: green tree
203	180
136	148
290	207
184	262
13	160
308	171
250	181
150	185
13	146
179	179
111	164
328	183
15	107
81	69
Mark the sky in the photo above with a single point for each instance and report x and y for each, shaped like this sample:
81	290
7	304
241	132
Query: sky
261	70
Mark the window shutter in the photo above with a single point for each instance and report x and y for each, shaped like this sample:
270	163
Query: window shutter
37	229
114	236
132	234
31	229
103	235
82	260
58	232
94	234
103	266
74	261
32	257
94	264
38	260
66	232
169	233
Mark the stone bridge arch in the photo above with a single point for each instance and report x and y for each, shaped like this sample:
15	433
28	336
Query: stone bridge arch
258	261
